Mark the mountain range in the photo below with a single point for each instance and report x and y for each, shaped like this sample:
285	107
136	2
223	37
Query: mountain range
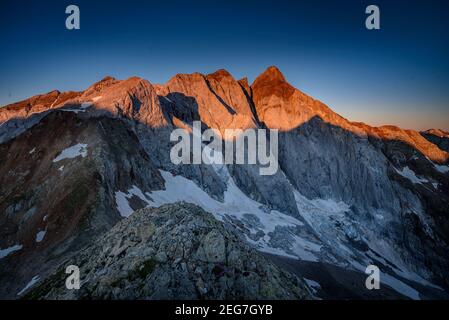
86	180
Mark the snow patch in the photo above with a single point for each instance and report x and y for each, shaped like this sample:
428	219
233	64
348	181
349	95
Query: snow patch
7	251
121	199
122	204
410	174
29	285
95	99
32	151
86	105
40	236
83	107
167	99
54	102
61	168
73	110
320	215
77	150
442	169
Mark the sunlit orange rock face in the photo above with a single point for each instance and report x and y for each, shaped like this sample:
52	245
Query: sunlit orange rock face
116	97
437	137
438	133
134	98
280	106
221	102
35	104
412	138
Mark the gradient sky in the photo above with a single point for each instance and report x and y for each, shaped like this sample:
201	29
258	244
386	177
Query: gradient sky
398	75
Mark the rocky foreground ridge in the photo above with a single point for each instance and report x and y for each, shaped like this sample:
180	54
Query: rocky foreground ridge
176	251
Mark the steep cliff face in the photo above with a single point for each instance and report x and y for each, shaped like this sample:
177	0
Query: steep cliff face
218	99
346	194
133	98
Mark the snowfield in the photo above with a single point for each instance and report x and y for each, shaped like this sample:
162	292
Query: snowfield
236	205
77	150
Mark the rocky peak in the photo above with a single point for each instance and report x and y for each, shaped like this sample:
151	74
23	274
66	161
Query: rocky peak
99	86
220	102
220	75
278	104
135	98
281	106
217	99
269	77
41	99
35	104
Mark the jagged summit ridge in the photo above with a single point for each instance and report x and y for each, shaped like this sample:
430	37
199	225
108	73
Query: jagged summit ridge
437	132
219	101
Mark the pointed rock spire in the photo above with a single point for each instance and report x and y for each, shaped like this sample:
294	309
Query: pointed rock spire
270	76
272	82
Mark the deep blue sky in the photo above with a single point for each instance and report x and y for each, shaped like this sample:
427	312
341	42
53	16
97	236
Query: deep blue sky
398	75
